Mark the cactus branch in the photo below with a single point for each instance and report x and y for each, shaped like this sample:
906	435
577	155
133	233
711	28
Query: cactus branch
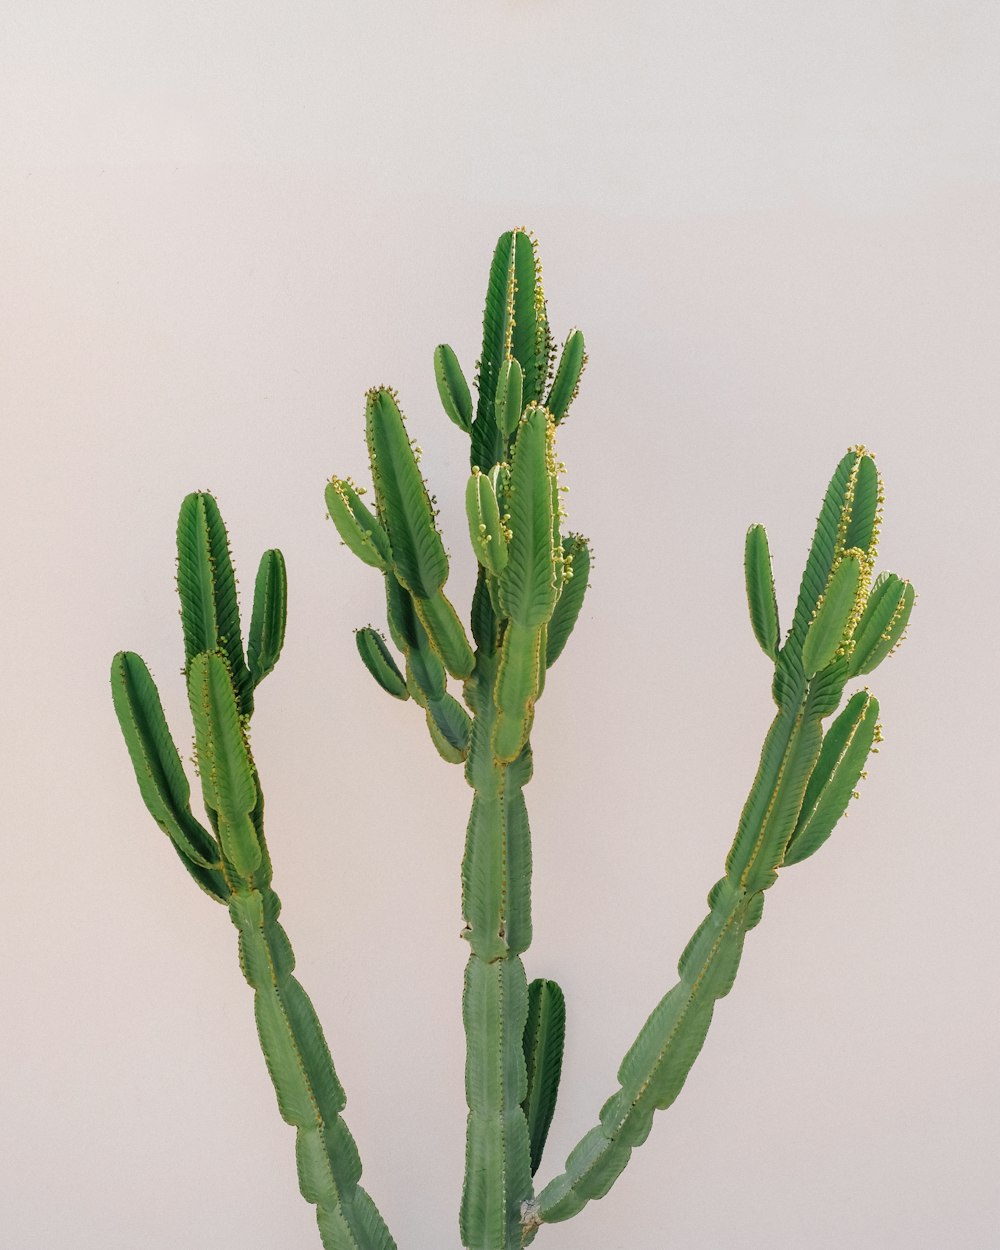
210	613
404	506
803	783
227	775
232	864
267	624
760	591
377	658
515	327
544	1035
576	571
310	1096
453	388
158	770
566	383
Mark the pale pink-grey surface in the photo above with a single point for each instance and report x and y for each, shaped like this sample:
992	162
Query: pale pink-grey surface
778	226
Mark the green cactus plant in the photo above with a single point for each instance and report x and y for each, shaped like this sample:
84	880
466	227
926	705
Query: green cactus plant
531	583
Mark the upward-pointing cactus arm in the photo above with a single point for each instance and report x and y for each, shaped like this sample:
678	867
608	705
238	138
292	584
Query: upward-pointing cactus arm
544	1036
530	582
488	442
158	770
206	584
453	389
515	327
231	863
404	508
803	784
267	625
401	539
566	382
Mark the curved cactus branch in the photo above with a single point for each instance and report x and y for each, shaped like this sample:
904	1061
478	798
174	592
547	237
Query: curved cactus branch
232	864
803	784
310	1096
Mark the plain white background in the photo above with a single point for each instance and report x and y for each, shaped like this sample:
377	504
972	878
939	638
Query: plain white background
777	225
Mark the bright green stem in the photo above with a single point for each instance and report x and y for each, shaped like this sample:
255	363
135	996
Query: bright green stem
654	1070
496	899
310	1097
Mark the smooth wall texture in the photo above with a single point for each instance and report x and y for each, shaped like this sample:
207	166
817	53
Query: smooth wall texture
777	224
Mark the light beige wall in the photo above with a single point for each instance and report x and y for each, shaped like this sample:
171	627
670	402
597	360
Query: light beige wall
777	224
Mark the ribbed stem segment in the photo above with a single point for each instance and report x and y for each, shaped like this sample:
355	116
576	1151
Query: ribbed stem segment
310	1097
496	898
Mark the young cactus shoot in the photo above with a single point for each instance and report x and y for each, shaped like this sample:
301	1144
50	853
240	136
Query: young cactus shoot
478	689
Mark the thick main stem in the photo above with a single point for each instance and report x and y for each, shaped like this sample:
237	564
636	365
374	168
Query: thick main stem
496	897
310	1097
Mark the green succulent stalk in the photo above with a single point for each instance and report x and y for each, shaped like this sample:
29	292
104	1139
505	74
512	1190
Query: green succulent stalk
531	583
229	860
804	782
514	1031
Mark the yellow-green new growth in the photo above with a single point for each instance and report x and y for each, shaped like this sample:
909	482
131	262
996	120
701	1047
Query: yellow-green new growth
530	589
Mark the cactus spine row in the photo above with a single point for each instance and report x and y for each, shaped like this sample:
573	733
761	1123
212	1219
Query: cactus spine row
530	589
